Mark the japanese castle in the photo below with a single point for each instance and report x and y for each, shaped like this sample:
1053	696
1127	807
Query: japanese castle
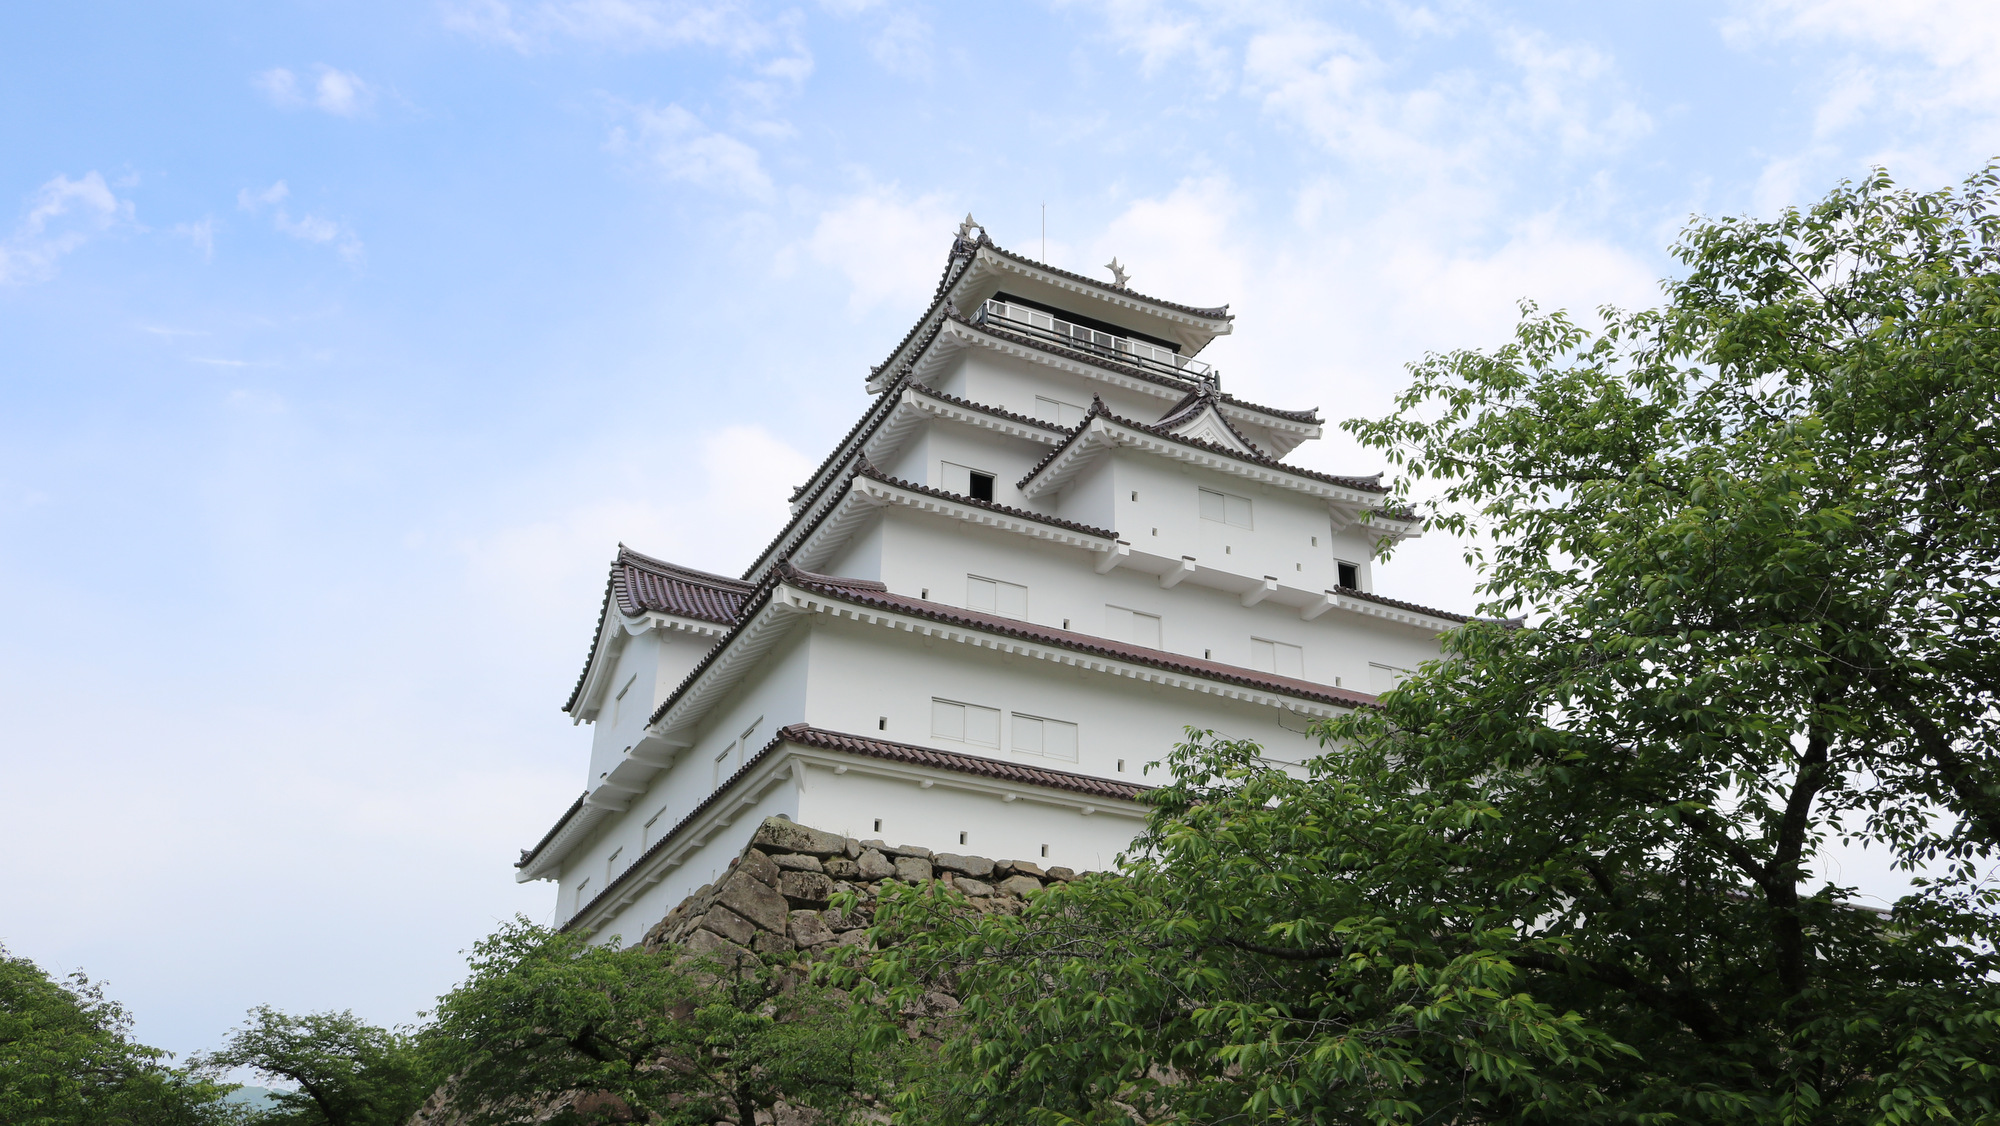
1050	544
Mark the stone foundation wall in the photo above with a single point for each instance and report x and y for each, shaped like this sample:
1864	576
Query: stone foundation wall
775	896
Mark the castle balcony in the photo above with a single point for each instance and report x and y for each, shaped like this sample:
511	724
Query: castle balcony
1014	317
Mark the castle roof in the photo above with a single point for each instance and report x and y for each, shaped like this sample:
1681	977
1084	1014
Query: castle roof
640	584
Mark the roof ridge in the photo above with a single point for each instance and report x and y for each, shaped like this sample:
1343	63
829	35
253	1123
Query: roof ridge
1097	408
993	506
1214	313
627	555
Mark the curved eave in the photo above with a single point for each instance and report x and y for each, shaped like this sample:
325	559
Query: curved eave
1101	433
1192	327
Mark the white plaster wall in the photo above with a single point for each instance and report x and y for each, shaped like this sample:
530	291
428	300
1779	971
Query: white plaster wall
654	662
875	681
774	695
948	819
923	552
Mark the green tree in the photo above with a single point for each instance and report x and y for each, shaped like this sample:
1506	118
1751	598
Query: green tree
1569	872
549	1028
67	1058
346	1071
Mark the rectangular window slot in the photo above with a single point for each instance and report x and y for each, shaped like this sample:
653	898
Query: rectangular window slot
881	723
722	768
1045	850
961	838
982	486
1350	575
1121	766
1132	625
965	723
1050	738
1062	414
1225	508
1315	541
1277	657
878	824
1135	494
1008	600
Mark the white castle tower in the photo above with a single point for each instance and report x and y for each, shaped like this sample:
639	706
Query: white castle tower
1050	544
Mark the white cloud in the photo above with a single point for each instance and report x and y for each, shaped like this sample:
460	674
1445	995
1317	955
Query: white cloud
61	216
201	233
1923	76
306	228
338	92
904	45
682	148
888	247
630	25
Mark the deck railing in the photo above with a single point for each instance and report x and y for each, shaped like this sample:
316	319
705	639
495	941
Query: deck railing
1033	322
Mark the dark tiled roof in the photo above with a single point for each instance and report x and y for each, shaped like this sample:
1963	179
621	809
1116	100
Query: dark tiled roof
962	763
866	470
529	854
1198	400
822	739
1216	314
982	408
1098	409
1081	642
1399	604
640	583
643	583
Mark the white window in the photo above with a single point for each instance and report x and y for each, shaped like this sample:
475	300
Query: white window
965	723
655	829
1132	626
1009	600
1050	738
748	740
618	703
724	765
1062	414
965	480
1225	508
1277	657
582	894
1349	574
611	864
1381	677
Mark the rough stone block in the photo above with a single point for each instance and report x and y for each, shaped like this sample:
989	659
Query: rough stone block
755	900
841	868
1027	868
1020	885
853	849
798	862
758	865
729	925
780	835
918	851
1061	873
767	943
856	938
940	1002
875	866
809	928
977	867
805	889
912	869
972	887
708	944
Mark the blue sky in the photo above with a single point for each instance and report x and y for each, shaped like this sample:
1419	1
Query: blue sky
341	342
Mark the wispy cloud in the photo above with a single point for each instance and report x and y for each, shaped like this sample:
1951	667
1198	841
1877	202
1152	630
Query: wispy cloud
201	233
61	215
1928	70
630	25
680	147
887	245
306	228
338	92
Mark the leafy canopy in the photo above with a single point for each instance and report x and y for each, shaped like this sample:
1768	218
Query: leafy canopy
1569	872
346	1071
67	1059
551	1029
